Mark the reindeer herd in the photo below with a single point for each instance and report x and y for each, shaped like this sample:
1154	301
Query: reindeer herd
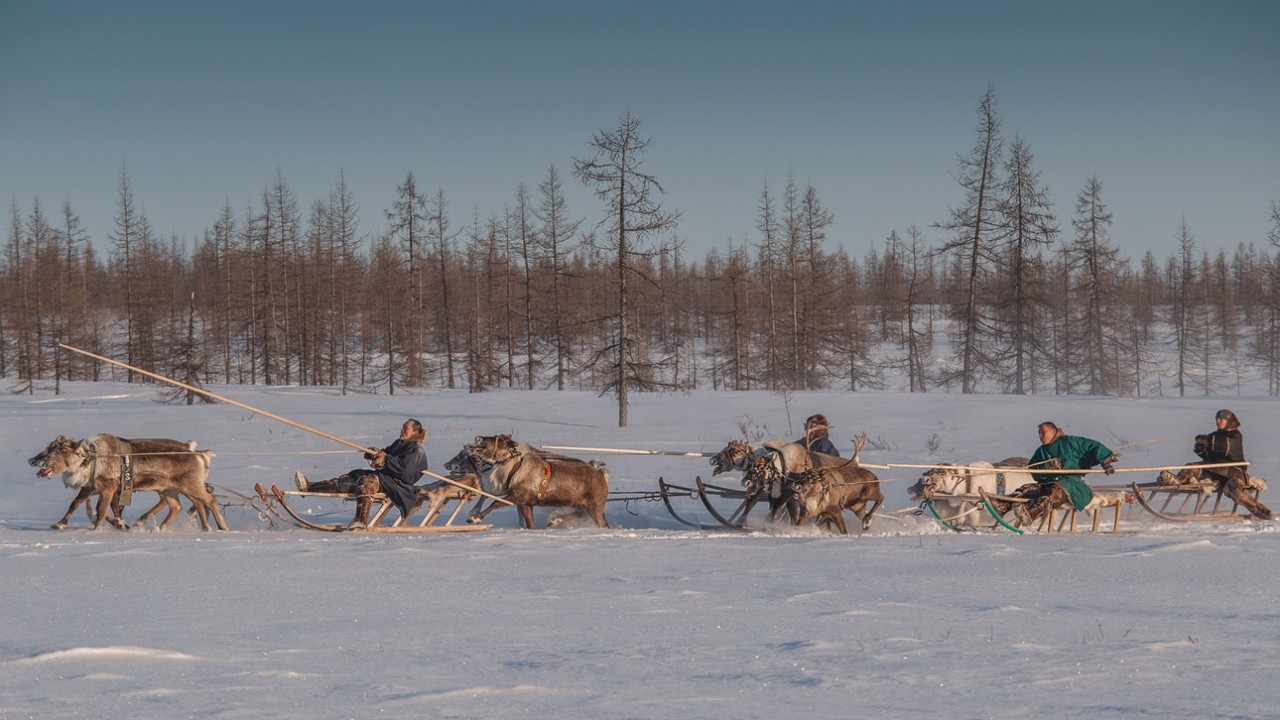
808	485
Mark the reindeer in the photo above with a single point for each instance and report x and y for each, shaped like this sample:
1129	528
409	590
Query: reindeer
773	470
953	490
526	478
106	465
825	493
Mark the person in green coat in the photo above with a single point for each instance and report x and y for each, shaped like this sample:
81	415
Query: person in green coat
1060	451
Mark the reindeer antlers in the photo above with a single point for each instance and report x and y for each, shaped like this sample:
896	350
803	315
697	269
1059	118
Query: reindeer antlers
857	445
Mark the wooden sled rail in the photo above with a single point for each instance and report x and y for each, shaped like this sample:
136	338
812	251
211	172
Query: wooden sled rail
1092	471
428	523
1047	523
1196	495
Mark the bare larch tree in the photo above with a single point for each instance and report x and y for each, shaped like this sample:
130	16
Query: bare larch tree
633	215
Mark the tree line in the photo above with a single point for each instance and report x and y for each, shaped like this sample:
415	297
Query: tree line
1007	296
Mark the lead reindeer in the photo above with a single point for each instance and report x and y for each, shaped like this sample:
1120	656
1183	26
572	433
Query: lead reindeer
773	471
88	491
106	465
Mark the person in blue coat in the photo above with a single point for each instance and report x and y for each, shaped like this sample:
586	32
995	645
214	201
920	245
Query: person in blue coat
395	472
816	437
1060	451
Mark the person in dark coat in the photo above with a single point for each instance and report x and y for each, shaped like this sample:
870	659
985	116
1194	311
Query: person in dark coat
1060	451
1223	445
815	436
395	472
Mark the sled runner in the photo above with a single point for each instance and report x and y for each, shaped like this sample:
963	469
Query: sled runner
1192	502
972	503
377	520
1060	519
667	491
737	519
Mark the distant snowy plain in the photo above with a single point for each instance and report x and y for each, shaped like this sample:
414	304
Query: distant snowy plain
645	619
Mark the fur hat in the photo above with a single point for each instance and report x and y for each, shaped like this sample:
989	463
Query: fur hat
1230	417
817	421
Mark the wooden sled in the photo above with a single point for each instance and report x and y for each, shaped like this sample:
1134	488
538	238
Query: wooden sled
1192	502
736	520
377	521
979	506
1057	520
667	490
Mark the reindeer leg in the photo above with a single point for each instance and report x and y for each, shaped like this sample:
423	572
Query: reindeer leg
216	511
164	502
838	519
81	498
200	507
526	514
793	509
175	509
597	514
475	517
866	519
106	501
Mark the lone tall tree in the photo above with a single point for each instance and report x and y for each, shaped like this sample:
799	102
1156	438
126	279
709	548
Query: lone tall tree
632	215
975	225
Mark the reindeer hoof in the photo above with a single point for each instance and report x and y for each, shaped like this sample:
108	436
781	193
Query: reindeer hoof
58	526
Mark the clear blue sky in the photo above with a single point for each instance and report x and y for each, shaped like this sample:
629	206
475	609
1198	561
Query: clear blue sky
1175	105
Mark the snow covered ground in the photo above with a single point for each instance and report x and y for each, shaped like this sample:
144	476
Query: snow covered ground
646	619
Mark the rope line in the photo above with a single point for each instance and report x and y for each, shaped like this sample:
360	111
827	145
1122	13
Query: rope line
226	454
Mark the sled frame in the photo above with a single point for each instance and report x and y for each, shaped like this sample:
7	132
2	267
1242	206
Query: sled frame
426	525
1197	495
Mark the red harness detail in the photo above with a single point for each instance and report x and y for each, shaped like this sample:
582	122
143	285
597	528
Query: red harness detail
546	480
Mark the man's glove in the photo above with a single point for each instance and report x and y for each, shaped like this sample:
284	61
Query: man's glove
1107	464
1202	445
1052	464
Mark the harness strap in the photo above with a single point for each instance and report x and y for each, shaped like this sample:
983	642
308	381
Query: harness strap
126	477
545	483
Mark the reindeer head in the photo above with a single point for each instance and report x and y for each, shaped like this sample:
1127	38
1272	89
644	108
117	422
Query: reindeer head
61	455
733	457
938	479
466	463
493	448
762	476
811	488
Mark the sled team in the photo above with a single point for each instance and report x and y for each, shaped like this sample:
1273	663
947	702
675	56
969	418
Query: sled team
395	470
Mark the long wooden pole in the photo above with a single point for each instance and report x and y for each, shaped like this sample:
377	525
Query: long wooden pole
1038	471
628	451
264	413
468	488
219	398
